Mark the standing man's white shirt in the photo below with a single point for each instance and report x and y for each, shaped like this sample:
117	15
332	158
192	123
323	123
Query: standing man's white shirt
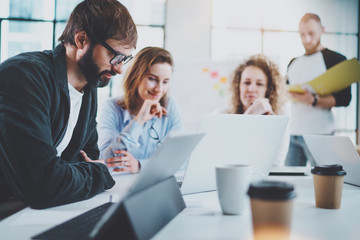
75	105
306	119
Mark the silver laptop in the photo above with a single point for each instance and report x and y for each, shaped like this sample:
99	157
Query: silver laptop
164	163
336	150
126	218
233	139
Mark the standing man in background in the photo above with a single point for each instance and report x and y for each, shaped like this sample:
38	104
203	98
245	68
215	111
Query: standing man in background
311	113
48	105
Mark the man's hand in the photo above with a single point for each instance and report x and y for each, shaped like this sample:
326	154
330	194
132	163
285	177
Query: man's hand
87	159
306	97
125	160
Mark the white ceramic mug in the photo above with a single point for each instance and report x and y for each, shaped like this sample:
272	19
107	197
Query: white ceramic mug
232	182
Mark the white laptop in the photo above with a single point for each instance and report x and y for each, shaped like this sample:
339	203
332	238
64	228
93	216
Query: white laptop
328	150
164	163
233	139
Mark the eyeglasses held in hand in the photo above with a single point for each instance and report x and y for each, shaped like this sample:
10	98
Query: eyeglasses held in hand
154	134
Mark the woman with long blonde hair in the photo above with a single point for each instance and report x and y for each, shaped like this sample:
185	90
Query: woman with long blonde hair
133	126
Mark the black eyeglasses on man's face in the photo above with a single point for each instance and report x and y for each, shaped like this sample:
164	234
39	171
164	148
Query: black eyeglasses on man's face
118	57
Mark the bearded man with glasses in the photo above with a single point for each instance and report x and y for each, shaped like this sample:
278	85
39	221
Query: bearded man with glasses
48	105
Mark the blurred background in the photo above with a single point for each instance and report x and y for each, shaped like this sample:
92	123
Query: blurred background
207	38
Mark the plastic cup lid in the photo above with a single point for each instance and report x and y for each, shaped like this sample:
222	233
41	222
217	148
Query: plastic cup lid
271	190
329	170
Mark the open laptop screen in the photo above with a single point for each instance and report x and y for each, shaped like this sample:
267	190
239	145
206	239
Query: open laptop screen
336	150
233	139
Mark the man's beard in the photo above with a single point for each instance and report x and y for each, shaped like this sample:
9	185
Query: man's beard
312	49
90	70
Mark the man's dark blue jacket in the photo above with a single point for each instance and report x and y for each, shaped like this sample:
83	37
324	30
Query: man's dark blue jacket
34	111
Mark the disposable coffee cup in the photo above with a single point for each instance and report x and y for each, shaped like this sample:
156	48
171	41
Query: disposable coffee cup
328	185
271	209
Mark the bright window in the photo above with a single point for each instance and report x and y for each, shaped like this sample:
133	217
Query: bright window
29	26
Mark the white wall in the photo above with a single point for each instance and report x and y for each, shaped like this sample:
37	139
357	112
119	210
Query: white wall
188	29
188	38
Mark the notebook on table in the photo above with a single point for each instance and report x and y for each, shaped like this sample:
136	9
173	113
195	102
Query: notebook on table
162	165
328	150
233	139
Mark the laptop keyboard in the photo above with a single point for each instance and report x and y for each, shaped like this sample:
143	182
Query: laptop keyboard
76	228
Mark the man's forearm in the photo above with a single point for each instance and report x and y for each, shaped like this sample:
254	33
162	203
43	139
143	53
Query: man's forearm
327	101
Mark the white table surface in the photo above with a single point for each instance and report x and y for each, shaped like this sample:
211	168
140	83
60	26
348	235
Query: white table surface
202	219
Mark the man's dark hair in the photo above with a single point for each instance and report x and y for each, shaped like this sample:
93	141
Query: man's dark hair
101	19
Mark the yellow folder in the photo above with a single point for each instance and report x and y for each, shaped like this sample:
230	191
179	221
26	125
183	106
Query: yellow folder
333	80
